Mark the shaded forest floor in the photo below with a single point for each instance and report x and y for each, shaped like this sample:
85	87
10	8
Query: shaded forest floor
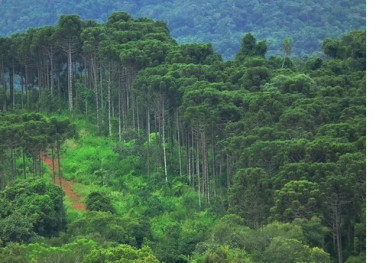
66	185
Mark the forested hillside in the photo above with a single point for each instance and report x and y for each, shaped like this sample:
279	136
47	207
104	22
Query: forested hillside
222	23
179	155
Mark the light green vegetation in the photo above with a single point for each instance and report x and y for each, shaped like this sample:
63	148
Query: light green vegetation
179	155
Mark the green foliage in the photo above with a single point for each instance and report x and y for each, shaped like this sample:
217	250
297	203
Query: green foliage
291	250
13	253
299	83
263	237
194	53
357	259
313	230
175	241
206	151
217	22
79	250
121	253
268	155
33	207
69	27
231	231
105	226
70	252
296	199
276	242
93	163
97	202
250	47
26	136
224	254
16	228
248	196
350	48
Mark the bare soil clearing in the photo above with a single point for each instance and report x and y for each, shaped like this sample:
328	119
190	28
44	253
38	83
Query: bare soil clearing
65	184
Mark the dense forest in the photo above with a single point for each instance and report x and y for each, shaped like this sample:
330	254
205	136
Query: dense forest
222	23
179	155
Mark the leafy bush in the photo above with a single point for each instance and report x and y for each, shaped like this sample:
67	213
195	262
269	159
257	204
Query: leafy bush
16	228
104	227
121	254
98	202
31	206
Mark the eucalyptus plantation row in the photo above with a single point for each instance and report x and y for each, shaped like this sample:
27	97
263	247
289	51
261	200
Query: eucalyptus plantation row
265	139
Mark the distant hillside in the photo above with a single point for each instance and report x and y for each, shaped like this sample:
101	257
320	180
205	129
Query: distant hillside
222	23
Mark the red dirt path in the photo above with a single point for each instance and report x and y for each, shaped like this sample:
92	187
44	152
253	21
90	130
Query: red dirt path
65	185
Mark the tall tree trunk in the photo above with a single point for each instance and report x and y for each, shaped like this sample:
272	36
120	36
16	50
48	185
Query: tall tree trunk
70	76
137	116
220	171
148	138
2	178
178	144
58	163
119	108
40	166
102	110
193	157
337	228
228	172
53	163
283	61
47	76
163	140
198	171
26	87
4	90
24	163
124	108
51	72
58	89
214	166
22	91
34	166
205	165
133	110
109	103
12	164
40	81
188	152
11	86
95	84
101	87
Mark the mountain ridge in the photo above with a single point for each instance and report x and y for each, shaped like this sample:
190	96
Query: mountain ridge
222	23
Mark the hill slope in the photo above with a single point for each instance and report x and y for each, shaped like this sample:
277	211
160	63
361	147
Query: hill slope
222	23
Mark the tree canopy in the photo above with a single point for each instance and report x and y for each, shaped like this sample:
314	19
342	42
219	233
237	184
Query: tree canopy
179	155
222	23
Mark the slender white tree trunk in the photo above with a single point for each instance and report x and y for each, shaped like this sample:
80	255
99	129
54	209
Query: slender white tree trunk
51	72
179	151
198	171
163	141
109	103
148	137
205	165
70	85
95	83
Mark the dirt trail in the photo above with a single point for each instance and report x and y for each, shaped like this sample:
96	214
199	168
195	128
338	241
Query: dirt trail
65	185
